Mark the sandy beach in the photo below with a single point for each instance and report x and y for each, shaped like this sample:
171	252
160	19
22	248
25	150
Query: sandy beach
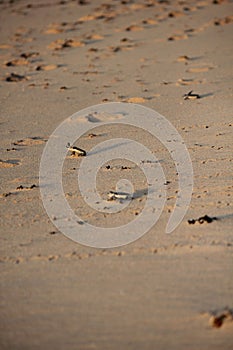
163	291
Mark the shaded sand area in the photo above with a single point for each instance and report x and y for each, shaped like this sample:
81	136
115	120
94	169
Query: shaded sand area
162	291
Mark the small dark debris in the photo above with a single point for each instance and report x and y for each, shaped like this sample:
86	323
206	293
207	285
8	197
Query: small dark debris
108	167
203	219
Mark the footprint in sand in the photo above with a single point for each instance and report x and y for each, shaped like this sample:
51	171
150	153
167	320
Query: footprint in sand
136	100
174	14
20	188
30	141
183	81
134	28
177	37
183	58
17	62
199	69
9	163
13	77
222	21
31	54
54	29
47	67
5	46
61	44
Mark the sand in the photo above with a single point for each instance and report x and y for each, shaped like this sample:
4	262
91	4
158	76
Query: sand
162	291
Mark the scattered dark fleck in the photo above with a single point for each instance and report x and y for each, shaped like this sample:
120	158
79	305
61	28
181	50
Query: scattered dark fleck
167	182
108	167
63	88
203	219
125	167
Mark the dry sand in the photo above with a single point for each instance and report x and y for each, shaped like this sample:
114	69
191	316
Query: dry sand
162	291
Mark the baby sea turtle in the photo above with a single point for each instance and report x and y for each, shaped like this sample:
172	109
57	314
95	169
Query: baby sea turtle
75	151
191	96
117	195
